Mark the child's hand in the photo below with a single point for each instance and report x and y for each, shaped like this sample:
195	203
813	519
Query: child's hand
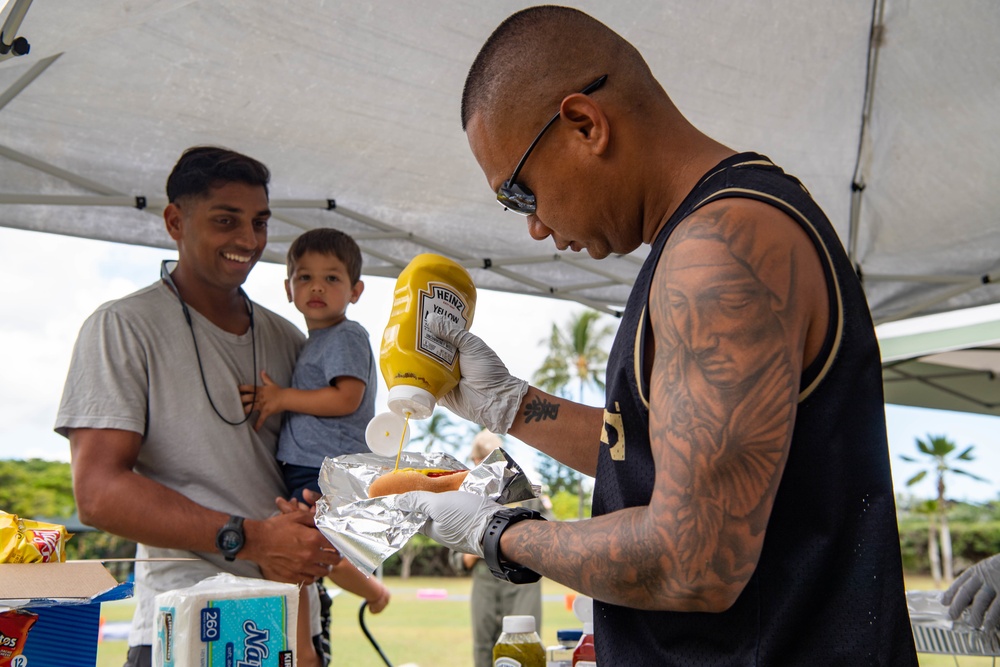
265	399
311	497
378	604
290	505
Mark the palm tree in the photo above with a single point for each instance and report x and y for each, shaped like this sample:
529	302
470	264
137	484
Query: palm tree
575	353
929	508
939	450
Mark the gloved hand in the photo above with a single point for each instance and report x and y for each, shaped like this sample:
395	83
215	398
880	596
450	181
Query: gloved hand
487	394
457	519
978	588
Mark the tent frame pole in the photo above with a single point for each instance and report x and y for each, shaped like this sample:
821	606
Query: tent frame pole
10	44
858	183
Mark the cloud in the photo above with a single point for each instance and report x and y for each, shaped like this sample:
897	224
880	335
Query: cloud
48	286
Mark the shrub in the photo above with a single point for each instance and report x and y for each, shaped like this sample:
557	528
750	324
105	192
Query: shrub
970	542
100	545
973	542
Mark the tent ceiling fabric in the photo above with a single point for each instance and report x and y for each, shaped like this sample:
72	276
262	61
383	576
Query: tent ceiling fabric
358	102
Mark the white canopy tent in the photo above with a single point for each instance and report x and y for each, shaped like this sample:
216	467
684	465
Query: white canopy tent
948	361
886	109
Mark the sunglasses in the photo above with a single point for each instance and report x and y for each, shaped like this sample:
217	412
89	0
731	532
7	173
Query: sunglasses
518	198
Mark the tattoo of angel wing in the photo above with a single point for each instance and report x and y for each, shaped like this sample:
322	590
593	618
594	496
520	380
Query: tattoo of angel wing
755	440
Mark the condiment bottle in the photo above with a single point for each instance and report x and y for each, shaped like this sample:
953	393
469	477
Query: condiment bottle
558	656
519	644
584	651
419	367
583	609
561	655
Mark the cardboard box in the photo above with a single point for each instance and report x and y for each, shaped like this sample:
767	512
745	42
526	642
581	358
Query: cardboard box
67	599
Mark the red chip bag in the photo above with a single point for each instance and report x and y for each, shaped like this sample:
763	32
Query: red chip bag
14	627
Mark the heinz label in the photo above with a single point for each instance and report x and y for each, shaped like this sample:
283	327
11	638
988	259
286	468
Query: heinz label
440	299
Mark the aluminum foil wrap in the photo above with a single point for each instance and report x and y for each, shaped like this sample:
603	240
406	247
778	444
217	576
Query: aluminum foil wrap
367	531
925	607
935	632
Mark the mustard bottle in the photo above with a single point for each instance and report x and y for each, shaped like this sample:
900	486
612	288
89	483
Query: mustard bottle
419	367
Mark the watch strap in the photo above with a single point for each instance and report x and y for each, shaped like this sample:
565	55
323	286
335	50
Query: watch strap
501	521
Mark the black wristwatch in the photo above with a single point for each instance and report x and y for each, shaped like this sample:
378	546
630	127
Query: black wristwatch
512	572
230	538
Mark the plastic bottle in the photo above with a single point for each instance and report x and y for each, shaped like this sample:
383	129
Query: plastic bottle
583	609
519	644
569	638
419	367
584	651
558	656
561	655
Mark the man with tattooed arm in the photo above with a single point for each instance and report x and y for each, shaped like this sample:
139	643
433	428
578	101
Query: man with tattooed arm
743	510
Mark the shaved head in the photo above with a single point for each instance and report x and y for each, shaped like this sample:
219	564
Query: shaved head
622	158
539	55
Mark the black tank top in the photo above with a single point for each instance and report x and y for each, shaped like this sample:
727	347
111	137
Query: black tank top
828	588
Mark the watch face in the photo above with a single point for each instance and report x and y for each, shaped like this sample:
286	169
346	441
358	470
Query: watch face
230	540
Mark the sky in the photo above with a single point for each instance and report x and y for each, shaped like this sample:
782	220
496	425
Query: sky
49	284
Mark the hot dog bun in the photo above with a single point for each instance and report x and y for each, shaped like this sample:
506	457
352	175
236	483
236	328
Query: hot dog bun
414	479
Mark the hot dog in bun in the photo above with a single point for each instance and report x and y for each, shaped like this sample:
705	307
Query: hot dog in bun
416	479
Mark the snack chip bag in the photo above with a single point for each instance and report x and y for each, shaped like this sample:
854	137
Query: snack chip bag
14	626
27	541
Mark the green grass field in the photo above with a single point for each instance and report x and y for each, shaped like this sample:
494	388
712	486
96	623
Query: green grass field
436	632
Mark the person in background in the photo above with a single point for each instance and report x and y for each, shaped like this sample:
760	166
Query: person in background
743	510
161	450
491	598
976	593
332	394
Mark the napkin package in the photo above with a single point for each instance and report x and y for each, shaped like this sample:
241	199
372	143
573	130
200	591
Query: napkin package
225	621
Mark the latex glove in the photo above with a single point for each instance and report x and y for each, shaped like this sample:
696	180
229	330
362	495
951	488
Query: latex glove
457	519
978	589
487	394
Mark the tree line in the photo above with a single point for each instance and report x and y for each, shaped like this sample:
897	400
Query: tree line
43	490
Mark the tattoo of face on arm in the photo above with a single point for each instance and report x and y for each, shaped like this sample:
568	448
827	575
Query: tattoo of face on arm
722	398
539	409
723	389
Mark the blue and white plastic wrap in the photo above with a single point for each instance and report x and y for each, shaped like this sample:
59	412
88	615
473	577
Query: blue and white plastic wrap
225	621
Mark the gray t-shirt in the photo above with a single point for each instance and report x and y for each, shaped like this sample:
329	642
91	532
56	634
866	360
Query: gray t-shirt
343	350
134	368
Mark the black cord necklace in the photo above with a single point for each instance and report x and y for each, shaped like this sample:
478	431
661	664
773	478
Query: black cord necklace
165	275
